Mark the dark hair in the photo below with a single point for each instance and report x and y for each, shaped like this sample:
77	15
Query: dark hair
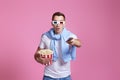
58	14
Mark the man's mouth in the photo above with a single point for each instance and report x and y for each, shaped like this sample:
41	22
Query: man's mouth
57	28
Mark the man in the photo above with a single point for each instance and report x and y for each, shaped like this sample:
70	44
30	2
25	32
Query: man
63	43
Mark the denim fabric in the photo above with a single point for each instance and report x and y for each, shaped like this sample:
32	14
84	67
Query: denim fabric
49	78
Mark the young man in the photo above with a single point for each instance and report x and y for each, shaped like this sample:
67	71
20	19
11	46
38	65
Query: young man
63	43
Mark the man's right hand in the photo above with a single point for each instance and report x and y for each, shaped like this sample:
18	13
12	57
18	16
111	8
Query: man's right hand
44	61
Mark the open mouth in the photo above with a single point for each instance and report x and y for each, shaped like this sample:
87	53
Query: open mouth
57	28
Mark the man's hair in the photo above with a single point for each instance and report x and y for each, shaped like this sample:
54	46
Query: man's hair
58	14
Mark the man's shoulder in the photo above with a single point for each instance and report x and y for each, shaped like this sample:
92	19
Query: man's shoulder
73	35
44	36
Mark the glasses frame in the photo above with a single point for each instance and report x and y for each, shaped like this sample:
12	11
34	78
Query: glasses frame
58	22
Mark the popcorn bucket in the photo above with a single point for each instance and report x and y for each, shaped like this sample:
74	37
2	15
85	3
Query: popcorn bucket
46	53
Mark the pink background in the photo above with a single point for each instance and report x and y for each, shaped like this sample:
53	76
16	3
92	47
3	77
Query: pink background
95	22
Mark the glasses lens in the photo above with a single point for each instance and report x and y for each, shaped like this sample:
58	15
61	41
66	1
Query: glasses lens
61	22
55	22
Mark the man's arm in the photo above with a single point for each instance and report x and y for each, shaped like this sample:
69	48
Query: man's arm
74	42
37	56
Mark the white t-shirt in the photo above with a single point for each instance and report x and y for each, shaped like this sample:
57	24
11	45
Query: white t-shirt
58	68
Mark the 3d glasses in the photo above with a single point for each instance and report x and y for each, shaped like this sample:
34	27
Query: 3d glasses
58	22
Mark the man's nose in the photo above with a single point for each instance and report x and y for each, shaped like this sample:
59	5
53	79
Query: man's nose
58	25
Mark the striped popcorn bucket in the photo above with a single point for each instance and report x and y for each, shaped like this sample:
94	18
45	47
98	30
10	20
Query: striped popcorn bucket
46	53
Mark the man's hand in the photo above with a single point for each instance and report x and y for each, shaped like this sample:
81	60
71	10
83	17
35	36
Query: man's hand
70	41
44	61
74	42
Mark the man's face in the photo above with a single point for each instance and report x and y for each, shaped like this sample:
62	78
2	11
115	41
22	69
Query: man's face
58	23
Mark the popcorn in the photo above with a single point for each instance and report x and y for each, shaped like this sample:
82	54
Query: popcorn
46	53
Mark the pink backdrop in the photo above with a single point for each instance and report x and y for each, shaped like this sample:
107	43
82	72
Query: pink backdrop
96	22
